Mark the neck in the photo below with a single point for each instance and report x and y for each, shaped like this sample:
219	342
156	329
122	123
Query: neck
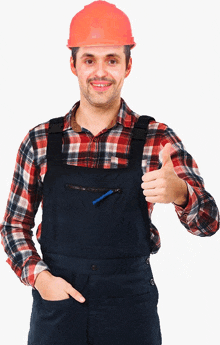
96	118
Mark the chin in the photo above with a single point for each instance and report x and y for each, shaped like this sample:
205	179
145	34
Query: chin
98	102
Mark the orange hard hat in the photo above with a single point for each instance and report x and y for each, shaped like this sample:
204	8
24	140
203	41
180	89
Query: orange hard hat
100	23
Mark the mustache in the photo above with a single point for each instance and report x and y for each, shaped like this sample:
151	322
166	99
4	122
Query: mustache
100	80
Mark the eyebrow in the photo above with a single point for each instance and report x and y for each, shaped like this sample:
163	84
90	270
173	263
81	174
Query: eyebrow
108	55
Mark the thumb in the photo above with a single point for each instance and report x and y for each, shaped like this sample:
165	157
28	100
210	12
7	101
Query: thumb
166	159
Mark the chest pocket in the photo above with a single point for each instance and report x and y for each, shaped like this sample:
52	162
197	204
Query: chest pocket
105	192
117	162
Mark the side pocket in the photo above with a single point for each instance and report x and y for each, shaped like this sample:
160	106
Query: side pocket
154	291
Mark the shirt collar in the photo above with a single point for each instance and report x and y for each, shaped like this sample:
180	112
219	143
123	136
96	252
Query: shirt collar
126	117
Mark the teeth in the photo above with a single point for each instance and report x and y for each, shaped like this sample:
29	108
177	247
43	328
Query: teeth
101	85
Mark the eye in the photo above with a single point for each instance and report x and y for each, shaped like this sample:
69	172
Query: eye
112	62
89	61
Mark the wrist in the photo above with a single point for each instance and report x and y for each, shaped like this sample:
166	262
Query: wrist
42	279
182	199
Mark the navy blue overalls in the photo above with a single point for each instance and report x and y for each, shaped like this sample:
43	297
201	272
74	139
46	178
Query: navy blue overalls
96	236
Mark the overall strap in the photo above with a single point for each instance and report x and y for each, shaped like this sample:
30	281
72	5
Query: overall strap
139	133
138	139
54	144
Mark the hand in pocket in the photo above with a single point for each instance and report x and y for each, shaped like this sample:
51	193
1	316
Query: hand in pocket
53	288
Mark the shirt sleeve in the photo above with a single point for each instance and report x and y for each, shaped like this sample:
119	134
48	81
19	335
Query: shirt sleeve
23	202
200	216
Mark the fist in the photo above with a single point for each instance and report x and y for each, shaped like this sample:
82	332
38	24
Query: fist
163	185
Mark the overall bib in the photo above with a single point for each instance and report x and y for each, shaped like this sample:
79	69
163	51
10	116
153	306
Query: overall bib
96	236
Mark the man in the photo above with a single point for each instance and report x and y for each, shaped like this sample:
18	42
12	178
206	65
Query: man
98	172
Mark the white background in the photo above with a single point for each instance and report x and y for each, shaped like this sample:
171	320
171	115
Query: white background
176	79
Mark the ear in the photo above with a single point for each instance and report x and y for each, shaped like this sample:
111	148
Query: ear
72	66
127	72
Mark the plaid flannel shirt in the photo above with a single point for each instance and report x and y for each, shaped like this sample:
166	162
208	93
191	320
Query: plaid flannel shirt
107	149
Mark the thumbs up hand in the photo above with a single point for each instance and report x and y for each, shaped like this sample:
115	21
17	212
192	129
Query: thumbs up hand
166	158
163	185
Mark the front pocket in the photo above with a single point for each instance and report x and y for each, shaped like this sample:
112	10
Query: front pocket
93	189
59	305
53	322
52	303
106	191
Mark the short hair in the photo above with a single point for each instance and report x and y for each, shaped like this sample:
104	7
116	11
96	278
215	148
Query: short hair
127	51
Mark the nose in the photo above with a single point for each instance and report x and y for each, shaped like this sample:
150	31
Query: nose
101	69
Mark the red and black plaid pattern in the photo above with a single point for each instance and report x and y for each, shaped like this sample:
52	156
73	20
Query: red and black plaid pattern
108	149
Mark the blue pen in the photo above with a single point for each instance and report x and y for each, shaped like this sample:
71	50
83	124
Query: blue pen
102	197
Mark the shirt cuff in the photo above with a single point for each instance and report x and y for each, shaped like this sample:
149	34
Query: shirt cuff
187	214
31	269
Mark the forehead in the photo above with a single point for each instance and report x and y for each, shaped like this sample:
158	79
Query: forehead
101	51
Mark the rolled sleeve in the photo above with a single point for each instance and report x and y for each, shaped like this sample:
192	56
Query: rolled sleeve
31	269
23	202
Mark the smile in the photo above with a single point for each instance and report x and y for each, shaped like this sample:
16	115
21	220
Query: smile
101	87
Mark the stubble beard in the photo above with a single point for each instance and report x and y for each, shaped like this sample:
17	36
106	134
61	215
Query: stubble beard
101	101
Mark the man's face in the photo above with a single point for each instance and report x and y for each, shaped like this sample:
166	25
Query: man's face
101	72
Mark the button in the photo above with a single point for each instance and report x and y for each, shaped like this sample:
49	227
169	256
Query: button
152	282
94	267
148	261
